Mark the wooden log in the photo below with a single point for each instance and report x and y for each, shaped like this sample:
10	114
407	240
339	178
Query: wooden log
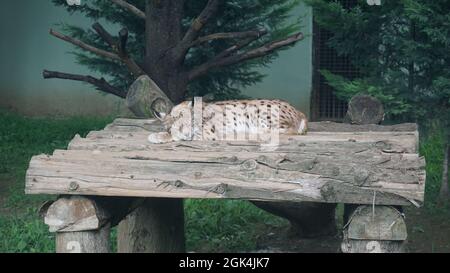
328	126
157	226
350	176
399	142
307	219
375	229
365	109
81	225
93	241
144	98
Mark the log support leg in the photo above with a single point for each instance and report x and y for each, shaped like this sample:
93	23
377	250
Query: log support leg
81	225
307	219
374	229
156	226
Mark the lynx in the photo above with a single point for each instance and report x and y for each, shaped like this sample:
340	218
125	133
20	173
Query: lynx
225	120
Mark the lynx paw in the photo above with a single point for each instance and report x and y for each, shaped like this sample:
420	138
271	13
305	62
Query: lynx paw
157	138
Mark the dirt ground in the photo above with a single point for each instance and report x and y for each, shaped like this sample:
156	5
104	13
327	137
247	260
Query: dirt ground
427	233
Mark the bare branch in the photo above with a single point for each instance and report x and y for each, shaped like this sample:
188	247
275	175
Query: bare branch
120	48
124	4
85	46
123	38
134	68
200	21
234	48
105	35
229	35
224	59
100	84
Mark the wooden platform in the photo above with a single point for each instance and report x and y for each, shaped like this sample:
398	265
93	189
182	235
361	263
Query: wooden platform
334	163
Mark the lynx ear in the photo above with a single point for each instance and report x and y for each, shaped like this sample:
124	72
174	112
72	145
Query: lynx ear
159	109
159	115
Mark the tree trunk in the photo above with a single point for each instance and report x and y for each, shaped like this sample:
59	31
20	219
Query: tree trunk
157	226
163	31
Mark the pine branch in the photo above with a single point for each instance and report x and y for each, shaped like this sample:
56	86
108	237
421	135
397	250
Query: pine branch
119	47
85	46
198	23
100	84
225	60
229	35
125	5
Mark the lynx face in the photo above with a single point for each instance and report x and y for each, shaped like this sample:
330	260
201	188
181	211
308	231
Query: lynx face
232	120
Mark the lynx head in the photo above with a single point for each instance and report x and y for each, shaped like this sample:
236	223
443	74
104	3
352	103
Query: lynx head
180	111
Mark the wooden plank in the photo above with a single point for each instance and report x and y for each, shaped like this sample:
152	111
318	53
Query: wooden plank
332	163
241	175
322	126
400	142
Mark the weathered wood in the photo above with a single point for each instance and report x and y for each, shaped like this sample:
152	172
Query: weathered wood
80	224
157	226
375	229
365	109
321	126
328	177
328	126
144	97
75	213
320	167
399	142
94	241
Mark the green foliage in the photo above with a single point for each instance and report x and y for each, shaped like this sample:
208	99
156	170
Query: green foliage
393	103
235	15
25	233
401	49
431	147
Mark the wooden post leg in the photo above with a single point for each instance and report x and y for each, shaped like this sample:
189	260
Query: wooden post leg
374	229
157	226
81	225
307	219
96	241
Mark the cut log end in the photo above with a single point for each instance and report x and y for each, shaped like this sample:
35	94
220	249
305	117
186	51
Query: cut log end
375	229
365	109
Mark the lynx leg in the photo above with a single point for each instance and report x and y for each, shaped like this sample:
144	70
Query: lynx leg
161	137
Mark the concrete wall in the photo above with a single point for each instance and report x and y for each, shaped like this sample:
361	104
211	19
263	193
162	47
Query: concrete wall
289	77
26	49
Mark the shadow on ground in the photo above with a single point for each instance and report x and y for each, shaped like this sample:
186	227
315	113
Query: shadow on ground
427	233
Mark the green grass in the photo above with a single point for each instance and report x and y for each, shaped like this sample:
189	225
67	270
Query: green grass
211	226
21	229
432	148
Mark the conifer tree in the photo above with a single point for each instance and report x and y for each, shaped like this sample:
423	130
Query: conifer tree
187	47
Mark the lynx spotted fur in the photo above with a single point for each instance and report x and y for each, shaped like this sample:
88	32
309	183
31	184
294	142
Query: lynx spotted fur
248	119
